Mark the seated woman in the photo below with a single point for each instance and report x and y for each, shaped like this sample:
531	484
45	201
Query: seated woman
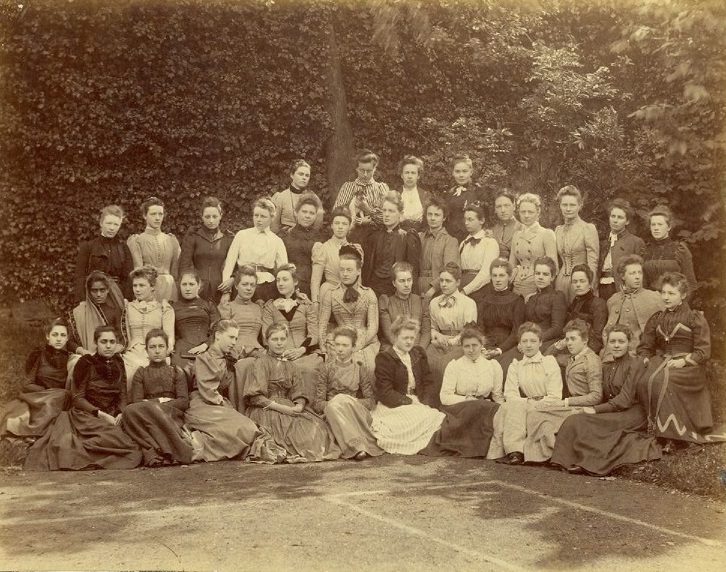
88	436
583	379
157	249
438	248
477	252
155	415
44	395
402	423
142	315
218	430
326	256
598	444
103	306
301	238
278	402
533	381
193	319
675	346
301	317
450	312
344	394
248	317
403	303
258	247
470	397
352	304
107	253
204	250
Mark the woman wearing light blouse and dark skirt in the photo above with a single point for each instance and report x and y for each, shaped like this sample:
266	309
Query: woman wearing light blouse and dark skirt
477	252
403	303
88	436
204	250
402	422
344	394
470	396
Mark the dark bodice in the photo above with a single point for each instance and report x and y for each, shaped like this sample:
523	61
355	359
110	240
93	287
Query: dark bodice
48	367
682	331
500	315
101	383
663	256
109	255
299	245
548	309
193	319
206	254
592	310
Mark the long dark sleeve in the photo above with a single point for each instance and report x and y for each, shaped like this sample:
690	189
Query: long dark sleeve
385	373
518	311
599	319
187	254
82	371
413	254
558	316
647	345
181	390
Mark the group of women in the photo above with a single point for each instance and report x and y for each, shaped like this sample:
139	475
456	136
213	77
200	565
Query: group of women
418	324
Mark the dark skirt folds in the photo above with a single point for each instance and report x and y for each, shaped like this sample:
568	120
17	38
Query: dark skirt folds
438	360
601	443
157	429
32	413
466	431
79	440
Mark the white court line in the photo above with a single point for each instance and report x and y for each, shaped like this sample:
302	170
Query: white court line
488	558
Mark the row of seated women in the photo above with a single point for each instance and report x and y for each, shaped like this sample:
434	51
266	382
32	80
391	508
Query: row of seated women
604	414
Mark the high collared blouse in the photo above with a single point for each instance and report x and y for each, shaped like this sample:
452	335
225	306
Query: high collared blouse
109	255
142	317
361	315
299	243
633	309
480	378
263	249
437	250
458	198
248	316
678	332
391	307
478	257
302	321
156	248
160	380
350	378
667	255
577	243
539	377
205	253
451	319
548	309
592	310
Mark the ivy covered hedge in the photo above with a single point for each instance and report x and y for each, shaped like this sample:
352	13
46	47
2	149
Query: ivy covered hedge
112	102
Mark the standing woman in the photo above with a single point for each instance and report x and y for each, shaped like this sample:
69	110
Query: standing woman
438	248
204	250
286	201
142	315
577	241
155	248
663	254
414	199
193	319
477	252
104	305
107	253
450	312
301	318
352	305
325	256
301	238
259	247
506	223
528	244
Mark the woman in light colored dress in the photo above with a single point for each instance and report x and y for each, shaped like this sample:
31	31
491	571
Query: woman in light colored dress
529	243
414	199
325	255
402	422
449	313
301	316
344	394
352	305
219	431
142	315
577	241
158	249
477	252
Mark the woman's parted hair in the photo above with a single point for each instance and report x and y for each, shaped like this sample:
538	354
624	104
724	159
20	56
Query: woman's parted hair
53	323
470	332
582	268
546	261
308	199
113	210
340	211
570	191
411	160
266	204
501	263
394	198
297	163
622	328
664	211
147	272
276	327
288	267
105	329
156	333
578	325
405	323
529	198
675	279
221	326
150	202
529	328
626	261
452	268
212	202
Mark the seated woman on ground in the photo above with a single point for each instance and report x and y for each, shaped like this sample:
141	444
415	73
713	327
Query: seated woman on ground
403	303
218	430
155	415
533	381
598	444
88	436
583	385
344	394
278	402
193	319
44	395
402	422
470	396
103	306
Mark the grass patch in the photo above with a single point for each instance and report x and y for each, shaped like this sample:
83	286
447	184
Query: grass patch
696	470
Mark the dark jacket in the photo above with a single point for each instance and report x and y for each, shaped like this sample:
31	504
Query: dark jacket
205	255
109	255
626	244
382	249
391	380
594	311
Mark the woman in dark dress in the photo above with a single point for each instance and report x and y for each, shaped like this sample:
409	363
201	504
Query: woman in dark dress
88	436
193	319
300	239
204	250
107	253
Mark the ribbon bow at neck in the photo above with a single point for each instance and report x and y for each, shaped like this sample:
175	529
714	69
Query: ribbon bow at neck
471	240
351	295
460	189
285	304
447	302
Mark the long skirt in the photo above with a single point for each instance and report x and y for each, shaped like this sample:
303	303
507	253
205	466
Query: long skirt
157	429
31	413
678	403
438	360
218	431
405	429
466	431
305	435
237	387
79	440
350	422
542	428
308	365
603	442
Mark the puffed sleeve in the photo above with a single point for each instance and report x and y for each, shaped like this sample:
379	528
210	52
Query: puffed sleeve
497	382
482	278
79	385
135	249
230	263
648	341
79	282
385	373
511	387
299	389
322	378
594	384
553	378
385	318
186	257
311	325
207	381
685	261
592	250
175	252
701	339
447	394
256	384
518	312
469	313
599	318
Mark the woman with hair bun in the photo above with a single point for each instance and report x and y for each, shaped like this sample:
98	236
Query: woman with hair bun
286	201
107	253
156	248
204	250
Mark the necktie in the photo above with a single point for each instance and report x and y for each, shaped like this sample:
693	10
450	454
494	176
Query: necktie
471	240
351	295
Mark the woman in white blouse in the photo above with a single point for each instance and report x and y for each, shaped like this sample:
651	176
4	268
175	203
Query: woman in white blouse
259	247
477	252
414	199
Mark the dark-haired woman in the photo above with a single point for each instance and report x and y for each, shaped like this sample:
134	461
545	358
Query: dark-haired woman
107	253
103	305
193	319
325	255
301	238
286	201
204	250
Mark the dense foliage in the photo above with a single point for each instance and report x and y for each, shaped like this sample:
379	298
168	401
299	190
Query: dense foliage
111	102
